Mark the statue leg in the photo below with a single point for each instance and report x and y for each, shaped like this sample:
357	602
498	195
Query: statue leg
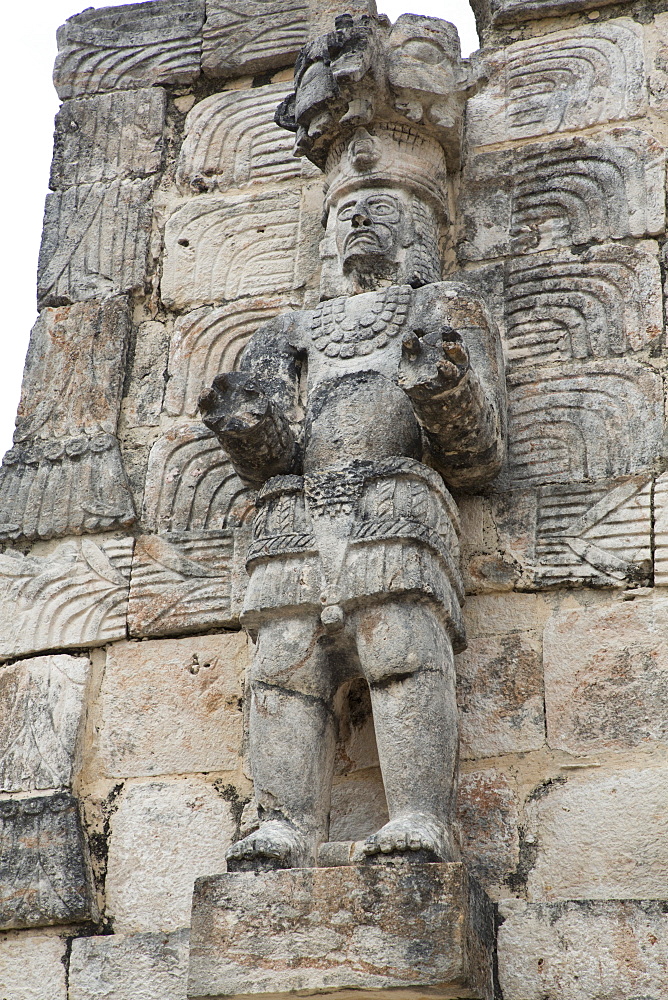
292	743
407	658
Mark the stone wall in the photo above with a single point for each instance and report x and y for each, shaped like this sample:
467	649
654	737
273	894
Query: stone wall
178	221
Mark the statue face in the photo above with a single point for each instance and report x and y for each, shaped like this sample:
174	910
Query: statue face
369	226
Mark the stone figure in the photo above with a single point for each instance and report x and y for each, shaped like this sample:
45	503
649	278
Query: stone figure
350	419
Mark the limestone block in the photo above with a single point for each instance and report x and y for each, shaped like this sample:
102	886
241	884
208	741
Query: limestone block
561	81
360	927
488	815
359	806
500	12
187	582
231	140
570	422
65	474
220	247
606	676
32	968
109	136
43	873
604	302
661	531
191	485
500	614
546	950
40	709
76	596
129	967
94	241
500	695
164	835
173	706
209	341
568	191
138	45
145	376
598	534
600	835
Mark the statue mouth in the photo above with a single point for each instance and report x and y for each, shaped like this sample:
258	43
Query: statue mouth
363	241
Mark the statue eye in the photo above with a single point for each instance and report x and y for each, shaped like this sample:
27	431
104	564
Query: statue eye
346	212
382	208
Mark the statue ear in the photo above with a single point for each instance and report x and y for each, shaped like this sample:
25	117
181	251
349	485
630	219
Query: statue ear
408	231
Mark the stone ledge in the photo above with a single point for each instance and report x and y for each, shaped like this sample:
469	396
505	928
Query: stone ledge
411	929
495	13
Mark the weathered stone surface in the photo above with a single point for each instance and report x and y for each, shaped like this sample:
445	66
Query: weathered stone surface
173	706
43	873
94	241
499	12
137	45
145	376
569	191
129	967
32	968
109	136
597	534
488	814
65	473
359	806
76	596
40	710
661	531
220	247
561	81
187	582
606	676
163	836
571	422
600	835
604	302
191	485
367	928
231	141
580	950
500	695
208	341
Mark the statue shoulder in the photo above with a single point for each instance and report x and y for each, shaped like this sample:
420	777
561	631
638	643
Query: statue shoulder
455	295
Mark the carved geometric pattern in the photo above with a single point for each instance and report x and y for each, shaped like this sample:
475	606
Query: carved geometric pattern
249	36
231	140
191	485
606	301
94	241
561	81
222	247
181	583
209	341
598	533
40	709
661	531
76	596
569	423
109	136
43	877
65	473
136	45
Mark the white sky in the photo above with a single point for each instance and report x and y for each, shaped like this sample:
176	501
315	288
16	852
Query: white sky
29	106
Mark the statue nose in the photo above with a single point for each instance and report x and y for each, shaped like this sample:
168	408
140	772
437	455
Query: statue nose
360	220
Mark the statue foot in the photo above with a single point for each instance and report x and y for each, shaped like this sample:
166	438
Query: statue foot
414	837
274	845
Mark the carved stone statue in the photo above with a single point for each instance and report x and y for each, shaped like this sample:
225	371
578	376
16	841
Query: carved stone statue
349	419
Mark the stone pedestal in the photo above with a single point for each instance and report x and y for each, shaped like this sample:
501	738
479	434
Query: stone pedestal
416	930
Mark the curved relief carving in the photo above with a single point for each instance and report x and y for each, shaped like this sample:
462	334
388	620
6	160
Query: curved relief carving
566	80
231	140
571	191
141	44
76	596
248	37
208	341
213	251
604	302
571	423
191	484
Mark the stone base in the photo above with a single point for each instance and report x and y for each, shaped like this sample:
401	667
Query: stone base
415	930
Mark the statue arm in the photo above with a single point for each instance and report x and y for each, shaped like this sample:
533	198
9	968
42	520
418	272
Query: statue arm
454	378
253	411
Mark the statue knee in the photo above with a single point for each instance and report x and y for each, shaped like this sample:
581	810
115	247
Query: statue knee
290	657
399	639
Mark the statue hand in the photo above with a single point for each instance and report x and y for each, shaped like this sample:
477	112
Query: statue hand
234	406
432	363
